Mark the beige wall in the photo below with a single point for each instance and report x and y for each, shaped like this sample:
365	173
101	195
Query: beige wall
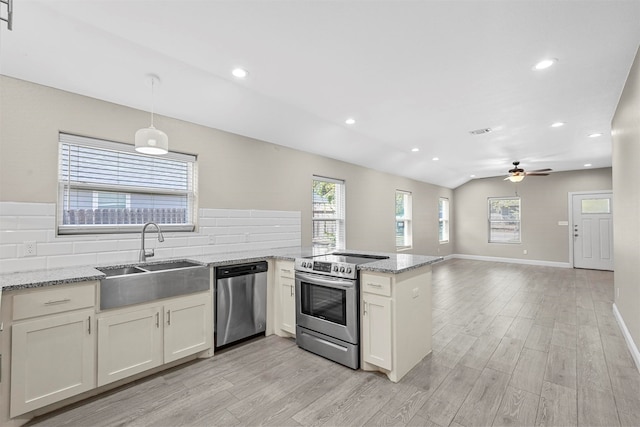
544	202
626	187
234	171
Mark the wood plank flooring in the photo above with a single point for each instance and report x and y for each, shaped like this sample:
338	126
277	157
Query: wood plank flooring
514	345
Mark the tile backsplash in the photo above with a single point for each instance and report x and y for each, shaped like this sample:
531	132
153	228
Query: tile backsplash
26	227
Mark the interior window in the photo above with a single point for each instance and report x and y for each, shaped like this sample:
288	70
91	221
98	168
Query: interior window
403	220
328	218
504	220
443	220
107	187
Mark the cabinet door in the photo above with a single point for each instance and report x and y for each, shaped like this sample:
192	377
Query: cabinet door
129	343
376	330
288	305
188	326
53	358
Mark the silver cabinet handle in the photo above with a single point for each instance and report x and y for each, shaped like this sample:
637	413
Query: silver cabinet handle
157	319
374	285
59	301
168	317
365	309
291	287
89	325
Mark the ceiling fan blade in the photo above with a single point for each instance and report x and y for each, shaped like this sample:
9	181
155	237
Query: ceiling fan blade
542	170
536	174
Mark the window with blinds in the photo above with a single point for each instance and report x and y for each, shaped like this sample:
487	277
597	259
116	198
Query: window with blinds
108	187
404	235
328	198
443	220
504	219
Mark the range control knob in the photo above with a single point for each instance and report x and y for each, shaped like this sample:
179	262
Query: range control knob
341	269
349	270
335	268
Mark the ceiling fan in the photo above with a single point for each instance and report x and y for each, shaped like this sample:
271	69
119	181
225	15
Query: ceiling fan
517	174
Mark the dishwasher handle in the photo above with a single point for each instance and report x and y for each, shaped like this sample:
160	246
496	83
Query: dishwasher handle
236	270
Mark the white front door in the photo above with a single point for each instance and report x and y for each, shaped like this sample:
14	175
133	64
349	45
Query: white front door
593	230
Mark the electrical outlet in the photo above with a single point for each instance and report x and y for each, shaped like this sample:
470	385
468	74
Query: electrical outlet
416	292
212	239
524	252
617	293
29	248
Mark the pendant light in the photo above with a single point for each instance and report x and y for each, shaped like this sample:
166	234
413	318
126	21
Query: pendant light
151	140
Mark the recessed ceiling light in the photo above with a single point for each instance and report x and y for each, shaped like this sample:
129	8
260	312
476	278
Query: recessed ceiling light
350	121
435	159
587	165
240	73
595	135
415	150
472	176
557	124
545	63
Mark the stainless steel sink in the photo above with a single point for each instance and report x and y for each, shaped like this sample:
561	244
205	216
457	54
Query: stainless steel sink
169	265
125	286
120	271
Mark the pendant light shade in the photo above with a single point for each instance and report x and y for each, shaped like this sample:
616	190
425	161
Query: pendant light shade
516	178
151	140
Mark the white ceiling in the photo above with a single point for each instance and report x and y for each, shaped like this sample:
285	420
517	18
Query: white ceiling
412	73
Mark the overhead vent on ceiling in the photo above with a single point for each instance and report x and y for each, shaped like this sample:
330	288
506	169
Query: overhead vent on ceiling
480	131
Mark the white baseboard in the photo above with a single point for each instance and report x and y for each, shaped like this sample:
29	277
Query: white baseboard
627	337
512	260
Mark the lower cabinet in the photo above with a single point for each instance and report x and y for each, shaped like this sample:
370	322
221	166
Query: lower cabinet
285	281
134	340
53	358
129	342
376	330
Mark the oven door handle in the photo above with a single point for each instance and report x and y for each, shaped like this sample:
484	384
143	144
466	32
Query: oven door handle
330	283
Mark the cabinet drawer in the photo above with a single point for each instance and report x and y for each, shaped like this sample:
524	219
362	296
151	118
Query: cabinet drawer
285	270
43	302
376	285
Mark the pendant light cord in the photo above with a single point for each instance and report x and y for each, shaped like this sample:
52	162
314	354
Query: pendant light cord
153	80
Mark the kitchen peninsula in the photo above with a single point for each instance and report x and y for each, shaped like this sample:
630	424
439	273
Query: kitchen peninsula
395	329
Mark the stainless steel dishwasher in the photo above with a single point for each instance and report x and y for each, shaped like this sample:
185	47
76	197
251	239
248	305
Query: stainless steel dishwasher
241	302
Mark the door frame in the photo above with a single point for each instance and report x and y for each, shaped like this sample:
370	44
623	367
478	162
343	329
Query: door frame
570	216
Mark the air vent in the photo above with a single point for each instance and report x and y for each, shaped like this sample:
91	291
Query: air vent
480	131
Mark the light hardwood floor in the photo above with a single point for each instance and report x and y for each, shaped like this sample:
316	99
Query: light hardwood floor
512	345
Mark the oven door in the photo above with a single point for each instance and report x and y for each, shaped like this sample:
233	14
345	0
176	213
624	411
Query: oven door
327	305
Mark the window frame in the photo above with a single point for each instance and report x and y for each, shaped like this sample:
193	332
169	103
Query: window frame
406	219
490	221
339	218
122	192
444	224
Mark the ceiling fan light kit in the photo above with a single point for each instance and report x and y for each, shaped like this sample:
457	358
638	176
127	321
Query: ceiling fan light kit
517	174
151	140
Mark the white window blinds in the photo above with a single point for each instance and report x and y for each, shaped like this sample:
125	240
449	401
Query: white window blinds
328	199
107	187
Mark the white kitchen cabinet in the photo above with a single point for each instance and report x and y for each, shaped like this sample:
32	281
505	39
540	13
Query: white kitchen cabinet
285	281
137	339
395	320
188	326
52	355
129	342
376	330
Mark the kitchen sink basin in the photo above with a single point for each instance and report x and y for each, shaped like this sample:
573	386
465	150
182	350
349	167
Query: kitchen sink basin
121	271
169	266
125	286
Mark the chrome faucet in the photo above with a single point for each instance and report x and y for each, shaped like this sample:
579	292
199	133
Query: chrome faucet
143	253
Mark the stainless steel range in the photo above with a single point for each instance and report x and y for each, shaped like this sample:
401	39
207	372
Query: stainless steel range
327	305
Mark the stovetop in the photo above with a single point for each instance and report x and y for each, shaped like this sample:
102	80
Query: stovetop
337	264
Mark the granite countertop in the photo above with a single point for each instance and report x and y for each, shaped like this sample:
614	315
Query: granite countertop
396	263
